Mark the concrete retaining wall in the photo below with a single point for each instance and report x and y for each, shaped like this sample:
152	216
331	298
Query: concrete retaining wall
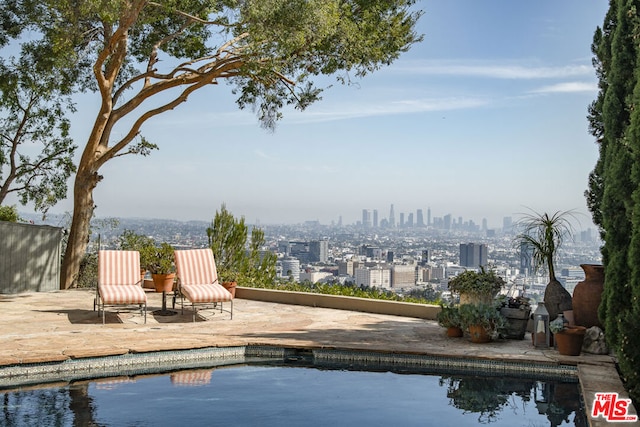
367	305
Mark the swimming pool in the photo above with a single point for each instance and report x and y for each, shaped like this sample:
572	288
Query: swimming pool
307	388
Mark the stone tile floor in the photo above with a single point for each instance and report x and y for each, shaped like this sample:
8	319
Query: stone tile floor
54	326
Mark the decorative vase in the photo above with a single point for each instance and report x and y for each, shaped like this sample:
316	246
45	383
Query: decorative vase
587	296
163	282
479	334
556	299
231	287
454	332
569	341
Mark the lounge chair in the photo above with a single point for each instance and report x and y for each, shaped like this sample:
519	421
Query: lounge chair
198	280
119	281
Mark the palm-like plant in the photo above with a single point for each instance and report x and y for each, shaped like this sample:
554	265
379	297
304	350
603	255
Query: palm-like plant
544	234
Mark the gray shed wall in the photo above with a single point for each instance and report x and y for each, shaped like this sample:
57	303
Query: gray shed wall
30	257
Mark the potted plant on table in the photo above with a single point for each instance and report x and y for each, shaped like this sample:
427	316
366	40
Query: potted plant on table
160	262
449	317
483	321
542	236
477	286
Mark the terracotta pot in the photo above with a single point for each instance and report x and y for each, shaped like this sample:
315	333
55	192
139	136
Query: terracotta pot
479	334
587	296
231	287
163	282
569	341
454	332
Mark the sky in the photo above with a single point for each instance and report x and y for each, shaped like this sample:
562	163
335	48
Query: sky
486	118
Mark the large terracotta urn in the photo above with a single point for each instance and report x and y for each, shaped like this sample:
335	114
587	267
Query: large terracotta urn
587	296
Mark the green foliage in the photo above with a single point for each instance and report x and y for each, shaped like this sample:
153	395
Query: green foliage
479	283
9	213
347	290
235	261
486	315
614	184
36	151
449	316
88	275
160	259
543	235
156	259
131	241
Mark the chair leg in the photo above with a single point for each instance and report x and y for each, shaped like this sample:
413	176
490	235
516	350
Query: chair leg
193	306
231	309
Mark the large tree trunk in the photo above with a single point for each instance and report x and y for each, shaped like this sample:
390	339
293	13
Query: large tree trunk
86	181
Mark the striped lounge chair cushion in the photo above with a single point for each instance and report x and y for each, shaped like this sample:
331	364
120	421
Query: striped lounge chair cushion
119	277
122	294
203	293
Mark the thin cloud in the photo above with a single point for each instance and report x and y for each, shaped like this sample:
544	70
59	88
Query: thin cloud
495	71
568	87
388	109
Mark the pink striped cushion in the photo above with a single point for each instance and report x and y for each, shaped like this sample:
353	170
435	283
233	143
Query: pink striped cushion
209	292
195	266
118	267
122	294
119	277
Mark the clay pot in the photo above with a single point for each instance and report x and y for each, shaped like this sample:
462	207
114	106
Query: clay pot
587	296
569	341
479	334
454	332
163	282
231	287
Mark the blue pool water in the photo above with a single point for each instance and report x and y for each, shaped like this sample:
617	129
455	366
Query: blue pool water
266	395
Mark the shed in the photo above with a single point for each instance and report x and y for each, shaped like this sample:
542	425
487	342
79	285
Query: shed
30	257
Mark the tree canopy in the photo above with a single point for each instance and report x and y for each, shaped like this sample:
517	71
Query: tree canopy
144	58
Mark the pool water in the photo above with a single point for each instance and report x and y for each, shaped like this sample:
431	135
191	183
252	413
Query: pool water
267	395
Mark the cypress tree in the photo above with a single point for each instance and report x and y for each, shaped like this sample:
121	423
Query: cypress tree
614	190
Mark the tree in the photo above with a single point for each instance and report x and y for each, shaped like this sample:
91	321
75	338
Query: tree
36	152
9	213
145	58
614	185
237	260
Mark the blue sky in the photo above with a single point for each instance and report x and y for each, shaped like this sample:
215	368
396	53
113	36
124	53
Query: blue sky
484	119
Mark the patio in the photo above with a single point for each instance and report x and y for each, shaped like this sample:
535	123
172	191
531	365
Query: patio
55	326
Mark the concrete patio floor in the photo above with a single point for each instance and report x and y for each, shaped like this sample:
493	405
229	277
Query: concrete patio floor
55	326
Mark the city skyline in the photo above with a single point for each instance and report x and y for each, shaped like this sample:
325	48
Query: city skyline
485	118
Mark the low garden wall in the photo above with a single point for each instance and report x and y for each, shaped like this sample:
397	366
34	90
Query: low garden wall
366	305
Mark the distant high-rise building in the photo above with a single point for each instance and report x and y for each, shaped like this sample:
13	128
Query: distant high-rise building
426	256
484	224
410	220
526	259
401	219
419	218
366	218
392	217
473	255
403	275
447	222
375	277
375	218
318	251
429	216
507	224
